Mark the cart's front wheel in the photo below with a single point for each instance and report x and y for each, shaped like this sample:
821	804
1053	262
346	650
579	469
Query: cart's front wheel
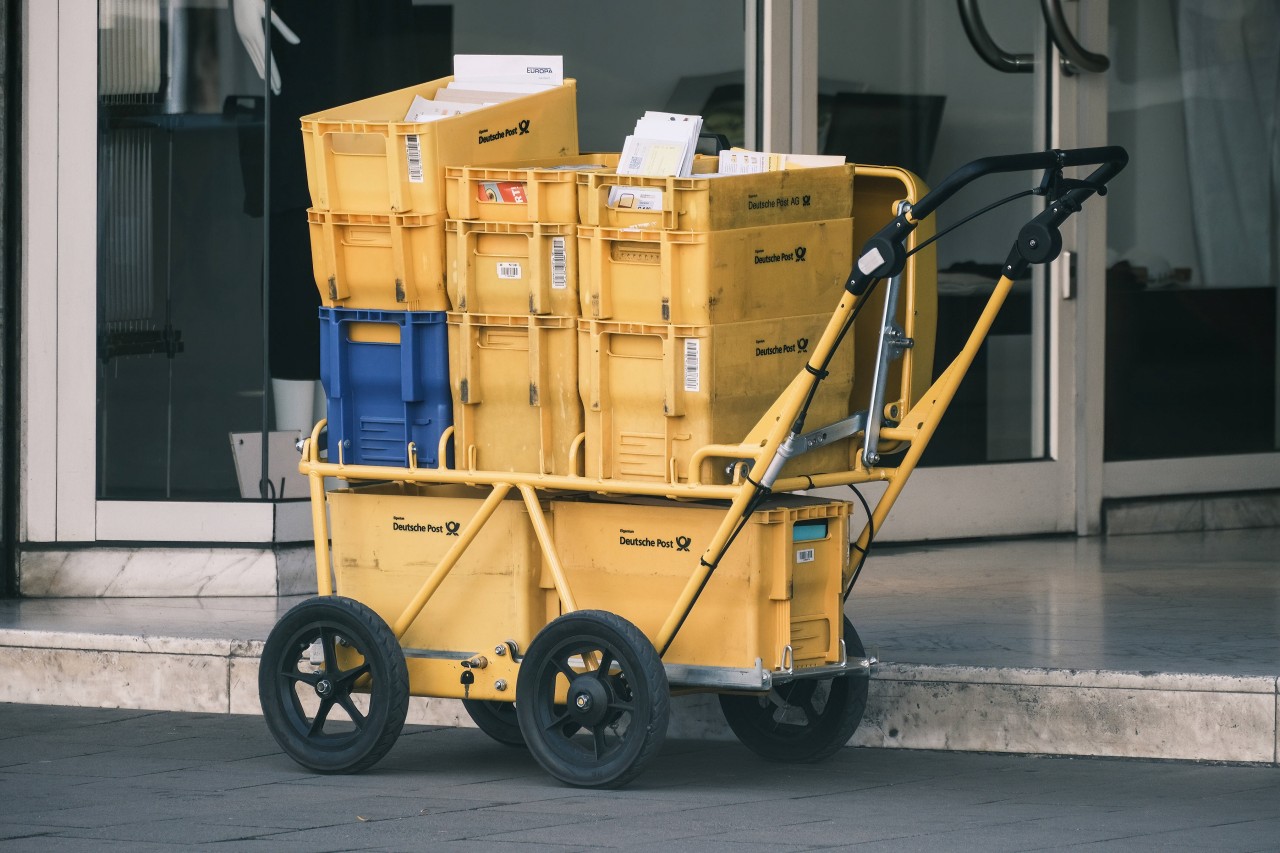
618	700
805	719
317	662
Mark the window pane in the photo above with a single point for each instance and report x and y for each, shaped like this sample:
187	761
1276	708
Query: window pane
1193	239
186	176
900	85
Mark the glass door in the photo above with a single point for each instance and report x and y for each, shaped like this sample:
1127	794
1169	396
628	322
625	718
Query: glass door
1193	249
900	83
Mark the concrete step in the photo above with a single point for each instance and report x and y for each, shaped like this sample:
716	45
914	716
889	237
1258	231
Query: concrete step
965	708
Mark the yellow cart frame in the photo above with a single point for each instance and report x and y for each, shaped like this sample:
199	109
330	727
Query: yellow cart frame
776	437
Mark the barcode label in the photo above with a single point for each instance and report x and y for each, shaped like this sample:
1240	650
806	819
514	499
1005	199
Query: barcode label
692	364
804	555
508	270
413	153
559	265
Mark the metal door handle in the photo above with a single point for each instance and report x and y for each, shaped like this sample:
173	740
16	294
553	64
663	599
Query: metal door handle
991	53
1075	57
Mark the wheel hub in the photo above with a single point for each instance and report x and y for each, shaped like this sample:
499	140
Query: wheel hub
588	700
324	687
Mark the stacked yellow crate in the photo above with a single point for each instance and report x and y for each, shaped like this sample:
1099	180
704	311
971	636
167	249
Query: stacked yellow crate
378	253
700	299
512	270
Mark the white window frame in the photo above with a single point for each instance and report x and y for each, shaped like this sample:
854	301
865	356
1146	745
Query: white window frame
58	347
59	315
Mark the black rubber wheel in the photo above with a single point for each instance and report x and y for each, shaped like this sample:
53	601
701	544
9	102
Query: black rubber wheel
327	650
496	719
802	720
619	703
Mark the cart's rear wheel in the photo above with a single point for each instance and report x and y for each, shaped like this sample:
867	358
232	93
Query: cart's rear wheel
618	699
317	661
496	719
805	719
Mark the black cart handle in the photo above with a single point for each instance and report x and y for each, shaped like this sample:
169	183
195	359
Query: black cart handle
885	255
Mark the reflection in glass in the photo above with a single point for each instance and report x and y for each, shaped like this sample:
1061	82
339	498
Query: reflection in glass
1193	242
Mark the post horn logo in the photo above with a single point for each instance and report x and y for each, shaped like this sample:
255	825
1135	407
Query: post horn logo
683	543
451	528
524	127
802	344
801	251
806	201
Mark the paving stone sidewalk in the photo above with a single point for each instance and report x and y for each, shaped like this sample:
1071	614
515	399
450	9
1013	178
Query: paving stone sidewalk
87	779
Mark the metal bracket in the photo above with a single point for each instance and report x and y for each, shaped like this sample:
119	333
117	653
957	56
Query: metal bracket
893	342
837	431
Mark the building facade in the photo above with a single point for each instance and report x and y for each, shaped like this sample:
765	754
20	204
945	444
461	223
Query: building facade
159	297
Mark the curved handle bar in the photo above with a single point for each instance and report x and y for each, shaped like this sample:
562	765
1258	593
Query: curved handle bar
1112	159
1074	54
884	255
985	45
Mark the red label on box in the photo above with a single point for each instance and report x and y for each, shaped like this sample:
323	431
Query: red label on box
502	192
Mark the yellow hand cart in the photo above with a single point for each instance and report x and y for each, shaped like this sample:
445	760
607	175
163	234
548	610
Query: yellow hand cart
570	637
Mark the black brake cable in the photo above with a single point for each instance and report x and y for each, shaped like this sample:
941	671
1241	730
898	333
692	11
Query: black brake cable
944	232
760	491
863	553
853	546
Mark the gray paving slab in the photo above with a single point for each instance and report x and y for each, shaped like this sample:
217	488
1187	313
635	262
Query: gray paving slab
446	789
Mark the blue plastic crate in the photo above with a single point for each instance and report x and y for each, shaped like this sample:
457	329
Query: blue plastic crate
386	378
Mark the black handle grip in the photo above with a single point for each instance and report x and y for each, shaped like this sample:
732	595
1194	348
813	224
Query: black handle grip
1111	158
885	254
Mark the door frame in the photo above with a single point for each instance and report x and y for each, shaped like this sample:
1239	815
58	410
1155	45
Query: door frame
1061	493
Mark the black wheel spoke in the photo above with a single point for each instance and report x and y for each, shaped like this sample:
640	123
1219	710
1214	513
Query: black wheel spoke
597	736
810	713
345	679
561	722
344	699
309	678
606	661
567	671
327	646
317	725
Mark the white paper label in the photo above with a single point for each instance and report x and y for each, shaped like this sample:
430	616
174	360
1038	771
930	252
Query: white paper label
508	270
870	261
635	198
692	364
805	555
559	265
413	153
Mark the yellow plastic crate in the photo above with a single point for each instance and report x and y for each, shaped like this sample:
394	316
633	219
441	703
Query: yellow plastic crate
538	191
363	157
653	394
778	587
512	267
715	203
713	276
515	404
380	261
388	538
